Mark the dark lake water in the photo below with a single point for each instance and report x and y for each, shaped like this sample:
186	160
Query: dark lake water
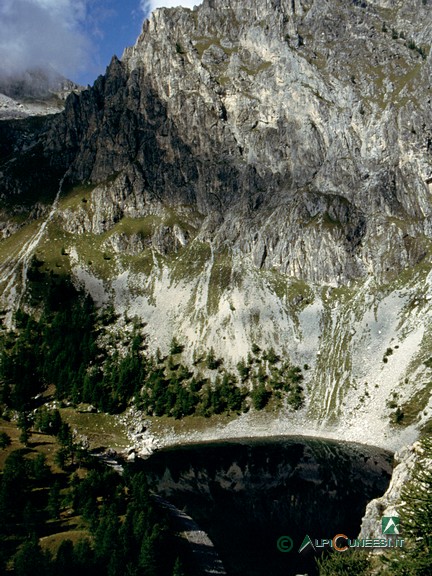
247	493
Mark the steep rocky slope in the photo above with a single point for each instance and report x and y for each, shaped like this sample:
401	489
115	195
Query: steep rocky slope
253	172
35	92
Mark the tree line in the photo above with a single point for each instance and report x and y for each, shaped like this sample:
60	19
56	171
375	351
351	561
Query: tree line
60	345
124	531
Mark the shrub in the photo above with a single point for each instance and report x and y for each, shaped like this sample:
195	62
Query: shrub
255	349
341	564
175	346
260	397
5	440
212	362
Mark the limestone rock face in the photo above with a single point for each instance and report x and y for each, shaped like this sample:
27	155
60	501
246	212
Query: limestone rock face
409	459
124	244
304	124
251	172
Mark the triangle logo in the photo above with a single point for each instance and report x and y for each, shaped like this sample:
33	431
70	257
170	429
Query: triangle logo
390	525
305	543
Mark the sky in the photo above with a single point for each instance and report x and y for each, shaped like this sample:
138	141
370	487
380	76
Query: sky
77	38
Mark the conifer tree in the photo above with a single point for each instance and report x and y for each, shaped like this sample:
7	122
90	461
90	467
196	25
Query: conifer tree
178	569
30	560
5	440
416	520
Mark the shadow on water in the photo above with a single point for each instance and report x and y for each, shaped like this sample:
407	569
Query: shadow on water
248	493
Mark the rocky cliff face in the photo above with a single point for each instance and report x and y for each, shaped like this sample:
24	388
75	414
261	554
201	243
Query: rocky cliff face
304	124
255	171
407	460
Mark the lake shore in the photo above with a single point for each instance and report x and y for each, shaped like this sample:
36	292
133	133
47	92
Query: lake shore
149	434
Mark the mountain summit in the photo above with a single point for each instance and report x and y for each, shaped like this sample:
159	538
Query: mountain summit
252	172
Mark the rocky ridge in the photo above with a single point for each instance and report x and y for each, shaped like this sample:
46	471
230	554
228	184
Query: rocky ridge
406	461
255	172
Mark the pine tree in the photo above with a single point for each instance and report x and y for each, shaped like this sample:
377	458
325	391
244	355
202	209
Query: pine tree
243	370
212	362
178	569
65	436
106	536
255	349
351	562
147	557
29	519
260	397
152	550
30	560
61	457
176	347
271	356
205	407
5	440
84	558
54	501
416	520
24	436
64	562
14	486
41	470
24	426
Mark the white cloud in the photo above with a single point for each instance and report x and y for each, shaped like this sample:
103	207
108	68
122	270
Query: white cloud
42	33
150	5
65	35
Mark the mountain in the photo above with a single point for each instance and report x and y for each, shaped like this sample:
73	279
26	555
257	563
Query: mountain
34	92
251	173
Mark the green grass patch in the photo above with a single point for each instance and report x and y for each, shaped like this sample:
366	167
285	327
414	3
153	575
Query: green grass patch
38	443
411	276
138	264
223	80
415	405
203	43
277	282
12	431
50	248
78	196
183	217
220	280
162	426
99	261
103	262
299	294
319	61
330	222
191	262
10	247
340	294
102	430
426	429
144	226
53	541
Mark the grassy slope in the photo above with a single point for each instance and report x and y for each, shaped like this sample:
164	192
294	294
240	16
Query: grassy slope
102	430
